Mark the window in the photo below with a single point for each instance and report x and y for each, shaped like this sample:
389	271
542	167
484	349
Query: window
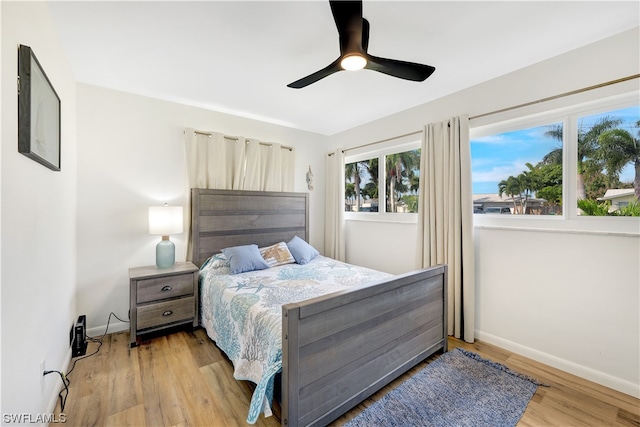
397	191
572	163
518	172
608	149
361	186
402	179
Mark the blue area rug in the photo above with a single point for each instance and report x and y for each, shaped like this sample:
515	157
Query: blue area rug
459	388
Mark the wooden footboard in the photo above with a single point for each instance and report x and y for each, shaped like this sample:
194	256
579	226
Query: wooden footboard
341	348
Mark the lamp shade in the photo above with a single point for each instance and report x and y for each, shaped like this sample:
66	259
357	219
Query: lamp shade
165	220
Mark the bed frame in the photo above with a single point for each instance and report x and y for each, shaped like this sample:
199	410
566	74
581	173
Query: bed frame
337	349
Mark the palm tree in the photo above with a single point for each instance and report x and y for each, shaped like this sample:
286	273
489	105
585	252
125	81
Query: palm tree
349	191
399	166
588	146
414	182
352	172
530	183
371	166
618	149
511	187
394	175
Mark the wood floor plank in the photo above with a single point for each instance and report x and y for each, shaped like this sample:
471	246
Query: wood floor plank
124	376
232	399
201	349
89	377
183	379
539	414
88	410
131	417
627	418
569	383
198	401
162	406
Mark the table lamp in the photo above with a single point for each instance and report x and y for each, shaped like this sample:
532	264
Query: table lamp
165	220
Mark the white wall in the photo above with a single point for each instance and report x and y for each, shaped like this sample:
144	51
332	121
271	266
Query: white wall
131	156
568	299
38	225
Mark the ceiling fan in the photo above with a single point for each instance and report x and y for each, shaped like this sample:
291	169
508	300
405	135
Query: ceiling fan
353	30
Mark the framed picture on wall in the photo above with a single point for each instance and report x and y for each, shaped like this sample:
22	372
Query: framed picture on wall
38	112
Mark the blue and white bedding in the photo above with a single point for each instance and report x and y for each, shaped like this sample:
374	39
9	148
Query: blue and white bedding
242	313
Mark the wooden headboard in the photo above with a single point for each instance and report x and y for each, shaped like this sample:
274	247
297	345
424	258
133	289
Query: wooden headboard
225	218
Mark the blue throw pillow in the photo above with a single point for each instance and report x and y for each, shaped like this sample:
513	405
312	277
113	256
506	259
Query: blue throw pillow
301	250
244	258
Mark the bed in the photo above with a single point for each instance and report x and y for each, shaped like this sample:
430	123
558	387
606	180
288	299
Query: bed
333	349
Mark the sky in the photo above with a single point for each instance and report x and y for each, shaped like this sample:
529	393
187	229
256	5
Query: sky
496	157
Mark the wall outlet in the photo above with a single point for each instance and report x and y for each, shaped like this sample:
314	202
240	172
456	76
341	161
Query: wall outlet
42	369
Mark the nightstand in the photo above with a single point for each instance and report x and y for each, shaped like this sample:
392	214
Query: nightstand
162	298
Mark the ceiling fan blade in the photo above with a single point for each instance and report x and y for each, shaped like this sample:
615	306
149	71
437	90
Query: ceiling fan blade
312	78
345	13
365	35
348	18
401	69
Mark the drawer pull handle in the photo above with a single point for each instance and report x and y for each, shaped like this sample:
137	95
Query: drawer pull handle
166	288
167	313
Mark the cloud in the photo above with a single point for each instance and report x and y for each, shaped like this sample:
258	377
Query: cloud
498	173
492	139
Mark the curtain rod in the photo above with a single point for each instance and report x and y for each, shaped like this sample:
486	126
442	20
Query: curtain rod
379	142
562	95
234	138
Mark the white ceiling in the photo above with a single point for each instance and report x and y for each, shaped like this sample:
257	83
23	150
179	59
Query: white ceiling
237	57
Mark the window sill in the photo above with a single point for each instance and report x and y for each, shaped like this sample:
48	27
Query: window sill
386	218
606	226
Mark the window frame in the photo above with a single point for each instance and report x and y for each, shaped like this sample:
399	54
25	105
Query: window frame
568	115
395	145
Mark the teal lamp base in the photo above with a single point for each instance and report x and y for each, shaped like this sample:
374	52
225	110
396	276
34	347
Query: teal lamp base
165	253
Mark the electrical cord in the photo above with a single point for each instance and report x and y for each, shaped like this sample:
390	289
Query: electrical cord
66	382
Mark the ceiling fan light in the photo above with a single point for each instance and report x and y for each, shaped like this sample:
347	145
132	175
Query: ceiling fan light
353	62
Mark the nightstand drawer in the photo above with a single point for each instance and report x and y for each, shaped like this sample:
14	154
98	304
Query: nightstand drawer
164	287
165	312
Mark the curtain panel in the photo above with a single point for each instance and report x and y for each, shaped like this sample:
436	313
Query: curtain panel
334	244
217	161
214	161
445	217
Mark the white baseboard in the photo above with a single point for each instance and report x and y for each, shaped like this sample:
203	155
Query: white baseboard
619	384
99	331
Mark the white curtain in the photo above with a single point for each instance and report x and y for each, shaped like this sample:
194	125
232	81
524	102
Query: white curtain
269	167
334	245
235	163
214	161
445	219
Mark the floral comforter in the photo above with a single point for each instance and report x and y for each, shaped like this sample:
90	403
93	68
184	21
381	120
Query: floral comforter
242	313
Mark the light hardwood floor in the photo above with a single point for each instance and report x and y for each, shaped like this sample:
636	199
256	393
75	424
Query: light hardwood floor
182	379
